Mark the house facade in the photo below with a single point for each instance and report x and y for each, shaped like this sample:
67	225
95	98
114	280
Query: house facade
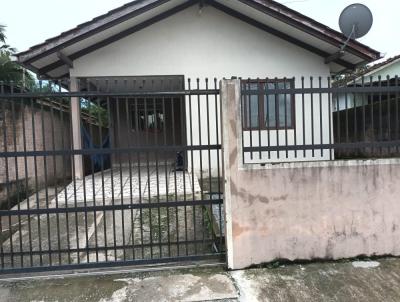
174	41
223	137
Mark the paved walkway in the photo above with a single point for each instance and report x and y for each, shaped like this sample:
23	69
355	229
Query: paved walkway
334	281
138	182
123	228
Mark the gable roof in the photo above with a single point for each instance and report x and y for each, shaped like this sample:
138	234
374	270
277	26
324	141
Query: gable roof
54	57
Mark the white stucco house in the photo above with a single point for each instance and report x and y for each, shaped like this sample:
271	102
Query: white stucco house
163	41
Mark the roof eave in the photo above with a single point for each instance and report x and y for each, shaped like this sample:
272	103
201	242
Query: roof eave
278	11
313	27
89	28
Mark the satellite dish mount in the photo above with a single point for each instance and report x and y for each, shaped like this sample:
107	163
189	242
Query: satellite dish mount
355	22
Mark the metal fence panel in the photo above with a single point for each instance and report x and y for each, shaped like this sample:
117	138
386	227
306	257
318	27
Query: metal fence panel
151	191
293	120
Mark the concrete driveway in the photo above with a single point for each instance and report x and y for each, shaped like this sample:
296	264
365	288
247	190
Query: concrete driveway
332	281
143	182
67	231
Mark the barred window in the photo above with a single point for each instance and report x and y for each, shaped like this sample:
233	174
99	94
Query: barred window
265	111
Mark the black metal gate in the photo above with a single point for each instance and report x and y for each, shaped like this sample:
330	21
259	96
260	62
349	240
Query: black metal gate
140	185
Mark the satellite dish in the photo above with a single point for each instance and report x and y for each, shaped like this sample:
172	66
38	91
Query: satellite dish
355	21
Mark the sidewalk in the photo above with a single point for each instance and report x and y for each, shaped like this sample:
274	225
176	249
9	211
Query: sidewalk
335	281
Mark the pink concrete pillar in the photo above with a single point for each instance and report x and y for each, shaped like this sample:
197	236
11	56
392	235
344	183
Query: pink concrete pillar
76	130
230	98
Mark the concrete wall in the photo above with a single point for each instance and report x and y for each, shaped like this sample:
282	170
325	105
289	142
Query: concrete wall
38	136
326	210
199	45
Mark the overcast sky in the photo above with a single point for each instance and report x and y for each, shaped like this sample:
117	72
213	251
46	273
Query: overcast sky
30	22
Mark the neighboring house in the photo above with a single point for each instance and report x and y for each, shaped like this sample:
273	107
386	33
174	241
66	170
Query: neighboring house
377	74
377	113
169	42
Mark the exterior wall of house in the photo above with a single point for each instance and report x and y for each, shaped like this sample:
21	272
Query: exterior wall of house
344	101
305	211
391	70
38	136
204	44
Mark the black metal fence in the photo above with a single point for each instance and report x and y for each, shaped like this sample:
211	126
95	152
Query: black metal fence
151	191
288	120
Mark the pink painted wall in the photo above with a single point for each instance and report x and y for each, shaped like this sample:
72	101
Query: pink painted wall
305	211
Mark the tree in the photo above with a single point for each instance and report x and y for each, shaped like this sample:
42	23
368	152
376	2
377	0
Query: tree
2	34
9	70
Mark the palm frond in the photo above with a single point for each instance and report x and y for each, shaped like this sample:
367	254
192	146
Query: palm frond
9	70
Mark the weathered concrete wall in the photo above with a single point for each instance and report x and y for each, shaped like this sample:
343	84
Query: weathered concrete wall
312	210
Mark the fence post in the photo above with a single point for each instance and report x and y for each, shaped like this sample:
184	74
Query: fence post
230	110
76	129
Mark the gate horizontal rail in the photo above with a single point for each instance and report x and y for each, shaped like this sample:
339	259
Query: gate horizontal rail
112	95
104	248
316	90
115	207
325	146
109	150
100	265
